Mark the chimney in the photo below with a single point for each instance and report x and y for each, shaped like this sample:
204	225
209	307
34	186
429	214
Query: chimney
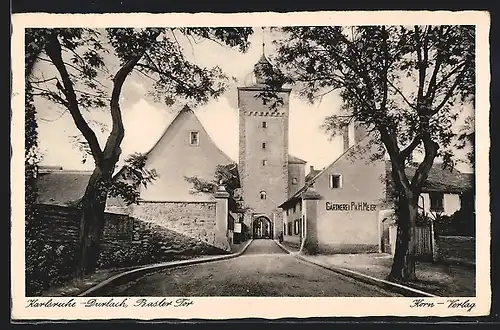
311	168
359	132
345	136
353	134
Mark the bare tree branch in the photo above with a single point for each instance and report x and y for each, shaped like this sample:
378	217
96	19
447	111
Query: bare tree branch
421	66
53	50
112	150
452	89
406	152
43	80
401	93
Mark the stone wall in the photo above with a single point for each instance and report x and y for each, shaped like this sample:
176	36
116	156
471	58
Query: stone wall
150	243
193	219
52	247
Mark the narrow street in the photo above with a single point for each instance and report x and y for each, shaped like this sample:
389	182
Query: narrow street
263	270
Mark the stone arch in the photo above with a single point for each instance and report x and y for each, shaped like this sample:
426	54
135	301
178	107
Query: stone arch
262	227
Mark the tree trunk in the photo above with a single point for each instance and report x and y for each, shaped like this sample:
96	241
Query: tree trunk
403	266
92	220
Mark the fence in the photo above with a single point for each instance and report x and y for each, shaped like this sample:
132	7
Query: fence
422	235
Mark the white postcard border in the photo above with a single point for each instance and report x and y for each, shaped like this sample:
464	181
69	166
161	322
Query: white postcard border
239	307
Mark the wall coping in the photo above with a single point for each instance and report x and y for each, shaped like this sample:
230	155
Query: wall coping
177	201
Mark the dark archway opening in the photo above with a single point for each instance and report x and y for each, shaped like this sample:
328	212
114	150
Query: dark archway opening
262	228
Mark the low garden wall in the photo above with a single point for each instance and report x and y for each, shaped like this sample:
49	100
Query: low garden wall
52	245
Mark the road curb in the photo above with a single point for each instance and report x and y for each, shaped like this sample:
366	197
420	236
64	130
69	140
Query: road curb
387	285
142	270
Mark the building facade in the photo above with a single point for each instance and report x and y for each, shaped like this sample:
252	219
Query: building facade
268	173
184	150
352	193
347	208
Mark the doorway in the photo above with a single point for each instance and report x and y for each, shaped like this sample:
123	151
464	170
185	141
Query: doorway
262	228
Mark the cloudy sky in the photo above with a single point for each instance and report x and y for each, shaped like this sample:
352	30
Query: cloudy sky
145	120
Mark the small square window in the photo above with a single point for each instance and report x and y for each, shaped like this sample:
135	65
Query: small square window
263	145
295	181
264	162
335	181
264	124
194	138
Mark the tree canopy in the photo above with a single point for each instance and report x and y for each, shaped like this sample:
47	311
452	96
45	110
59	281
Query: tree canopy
406	85
225	175
389	77
84	81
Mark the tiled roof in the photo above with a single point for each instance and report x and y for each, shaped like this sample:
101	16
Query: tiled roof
63	187
440	179
295	160
312	174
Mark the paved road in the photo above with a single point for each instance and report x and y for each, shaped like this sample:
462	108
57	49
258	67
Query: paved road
263	270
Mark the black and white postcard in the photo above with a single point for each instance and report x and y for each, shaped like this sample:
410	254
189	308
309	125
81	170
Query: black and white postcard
270	165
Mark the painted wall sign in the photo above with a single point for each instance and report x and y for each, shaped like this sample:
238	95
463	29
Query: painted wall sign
353	206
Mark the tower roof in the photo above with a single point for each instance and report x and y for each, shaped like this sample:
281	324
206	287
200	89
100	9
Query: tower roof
295	160
262	70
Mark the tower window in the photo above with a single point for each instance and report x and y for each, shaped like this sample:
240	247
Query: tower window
264	124
263	145
264	162
263	195
335	181
194	138
294	180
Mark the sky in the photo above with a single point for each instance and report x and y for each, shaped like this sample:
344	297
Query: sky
145	120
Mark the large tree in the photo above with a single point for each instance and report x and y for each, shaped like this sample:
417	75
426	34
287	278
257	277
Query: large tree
404	84
85	82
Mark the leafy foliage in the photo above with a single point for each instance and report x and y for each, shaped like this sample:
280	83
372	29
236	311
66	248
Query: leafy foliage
132	175
403	84
47	264
386	76
226	176
80	57
467	138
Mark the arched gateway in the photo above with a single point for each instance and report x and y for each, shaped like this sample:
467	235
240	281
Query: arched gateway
262	228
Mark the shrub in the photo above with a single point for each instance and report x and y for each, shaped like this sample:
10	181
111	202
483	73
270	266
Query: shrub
460	223
47	264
